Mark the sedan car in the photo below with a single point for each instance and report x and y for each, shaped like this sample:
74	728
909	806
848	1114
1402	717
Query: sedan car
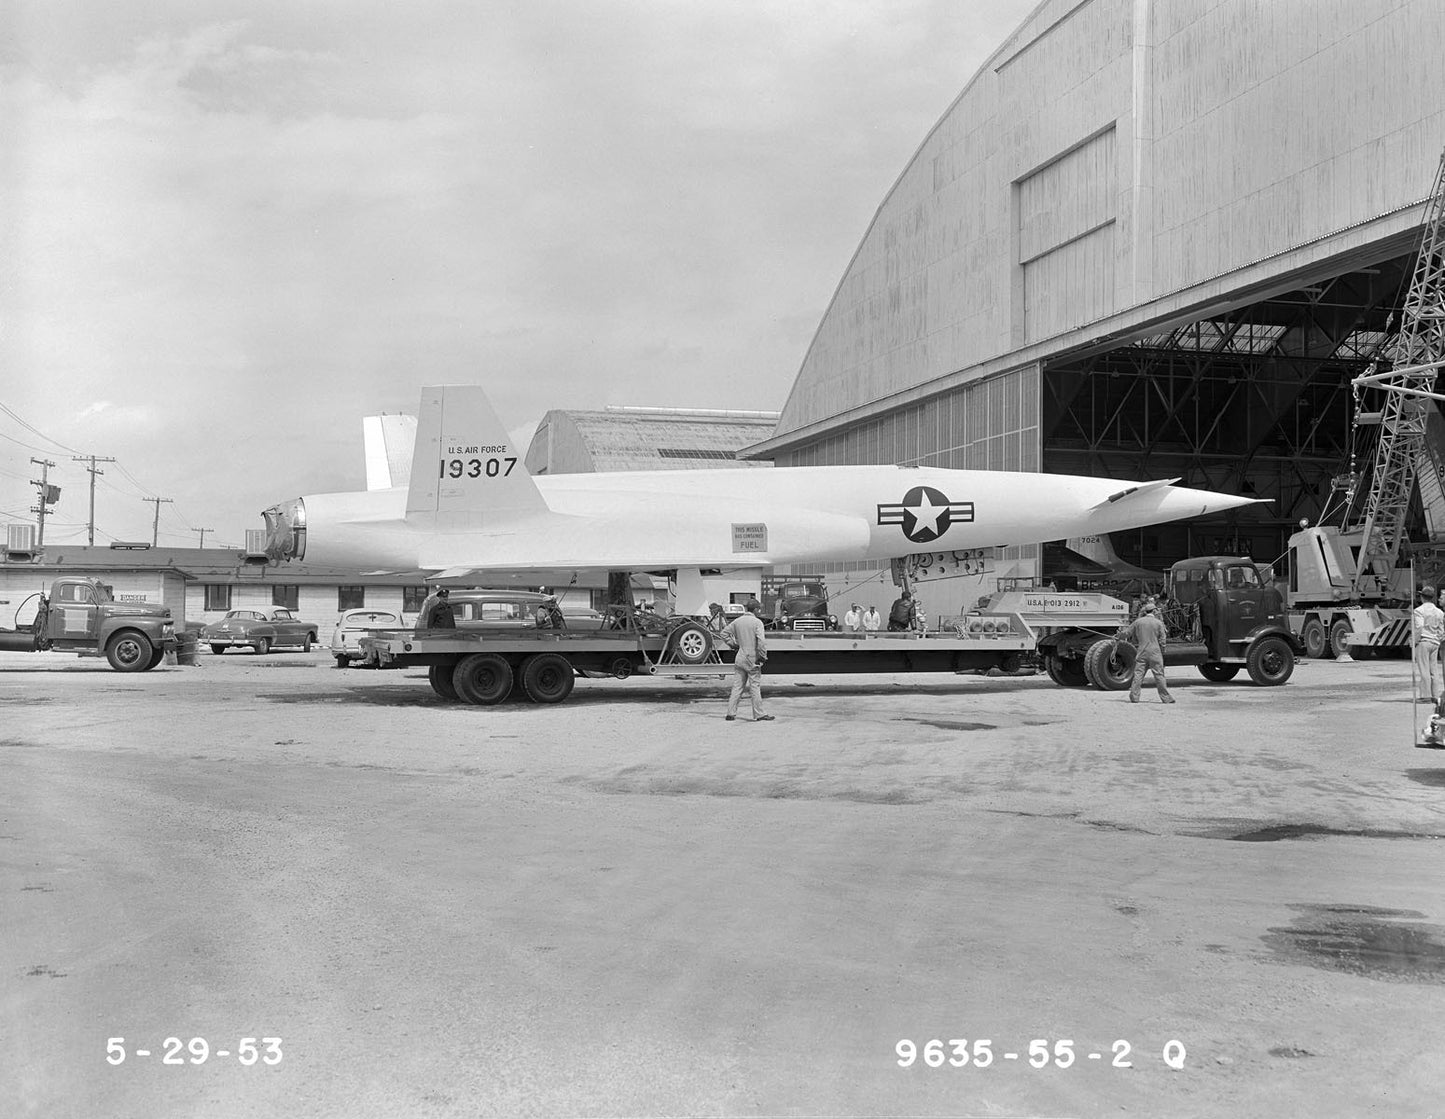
356	624
262	629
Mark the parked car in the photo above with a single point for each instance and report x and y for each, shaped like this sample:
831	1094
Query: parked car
353	625
261	629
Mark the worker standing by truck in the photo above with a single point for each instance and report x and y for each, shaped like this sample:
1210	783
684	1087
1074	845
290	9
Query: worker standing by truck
745	634
1428	629
1148	635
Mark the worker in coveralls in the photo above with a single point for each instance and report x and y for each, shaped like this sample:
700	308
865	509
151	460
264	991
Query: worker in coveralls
1148	636
1427	624
745	634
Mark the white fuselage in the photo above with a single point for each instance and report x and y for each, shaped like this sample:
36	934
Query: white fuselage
652	520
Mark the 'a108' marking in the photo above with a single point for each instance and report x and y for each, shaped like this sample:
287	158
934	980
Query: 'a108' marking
476	467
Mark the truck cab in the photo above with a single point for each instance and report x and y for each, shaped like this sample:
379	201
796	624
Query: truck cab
797	603
1225	613
82	616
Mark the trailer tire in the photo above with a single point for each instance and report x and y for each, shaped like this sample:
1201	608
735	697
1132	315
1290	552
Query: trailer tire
218	649
1340	638
690	644
1066	672
482	679
129	651
548	677
1109	664
1270	662
1313	637
1218	673
156	658
440	678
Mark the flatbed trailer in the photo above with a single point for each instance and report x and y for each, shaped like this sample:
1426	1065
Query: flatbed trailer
482	666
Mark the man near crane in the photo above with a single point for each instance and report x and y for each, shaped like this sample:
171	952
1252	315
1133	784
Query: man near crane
1427	625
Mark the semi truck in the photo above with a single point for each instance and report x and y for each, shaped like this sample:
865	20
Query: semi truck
1222	614
80	615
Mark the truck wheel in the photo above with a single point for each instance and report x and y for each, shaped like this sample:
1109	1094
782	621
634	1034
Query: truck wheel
690	644
1271	662
218	649
129	651
1067	672
482	678
1218	673
1340	638
263	646
1109	665
1314	639
440	678
547	678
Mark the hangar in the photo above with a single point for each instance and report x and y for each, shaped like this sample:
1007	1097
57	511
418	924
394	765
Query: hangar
640	438
1147	240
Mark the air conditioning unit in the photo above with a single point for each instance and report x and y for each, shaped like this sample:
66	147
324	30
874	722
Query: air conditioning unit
20	539
255	541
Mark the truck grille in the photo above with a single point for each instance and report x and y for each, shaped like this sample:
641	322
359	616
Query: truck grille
811	624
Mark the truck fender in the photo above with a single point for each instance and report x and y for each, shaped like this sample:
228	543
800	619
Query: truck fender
1273	629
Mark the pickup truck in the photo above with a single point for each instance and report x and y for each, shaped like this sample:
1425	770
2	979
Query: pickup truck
80	615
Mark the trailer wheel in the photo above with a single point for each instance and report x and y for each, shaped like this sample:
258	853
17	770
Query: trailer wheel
1109	664
1314	638
156	658
1218	673
482	678
1271	662
218	649
620	667
1340	638
1067	672
690	644
440	678
547	677
129	651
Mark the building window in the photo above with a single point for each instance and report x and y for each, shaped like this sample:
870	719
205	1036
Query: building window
350	598
412	599
287	595
218	596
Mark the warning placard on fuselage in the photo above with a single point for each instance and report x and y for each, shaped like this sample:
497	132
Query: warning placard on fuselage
749	538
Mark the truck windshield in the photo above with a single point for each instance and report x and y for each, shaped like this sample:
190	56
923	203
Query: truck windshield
803	590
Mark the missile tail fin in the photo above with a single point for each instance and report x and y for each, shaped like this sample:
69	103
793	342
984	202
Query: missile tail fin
464	465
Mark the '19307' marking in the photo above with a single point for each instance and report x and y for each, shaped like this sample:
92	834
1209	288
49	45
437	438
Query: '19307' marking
476	467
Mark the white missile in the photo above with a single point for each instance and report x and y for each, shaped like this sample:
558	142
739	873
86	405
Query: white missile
471	508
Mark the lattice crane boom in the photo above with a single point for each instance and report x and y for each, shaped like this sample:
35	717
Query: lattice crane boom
1415	355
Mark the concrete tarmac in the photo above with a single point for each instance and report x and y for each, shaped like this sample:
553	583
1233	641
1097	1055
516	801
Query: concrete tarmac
625	906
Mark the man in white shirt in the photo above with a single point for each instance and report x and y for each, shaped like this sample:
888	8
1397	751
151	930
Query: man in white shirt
872	620
1427	625
745	634
853	620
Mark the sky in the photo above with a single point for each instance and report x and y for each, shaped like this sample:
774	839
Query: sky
229	230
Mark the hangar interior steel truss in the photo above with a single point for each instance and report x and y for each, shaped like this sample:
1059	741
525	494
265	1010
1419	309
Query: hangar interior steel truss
1254	400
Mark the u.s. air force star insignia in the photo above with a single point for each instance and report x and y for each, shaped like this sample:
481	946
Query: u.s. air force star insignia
925	514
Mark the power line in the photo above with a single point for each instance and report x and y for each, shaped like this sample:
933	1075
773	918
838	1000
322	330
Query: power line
35	430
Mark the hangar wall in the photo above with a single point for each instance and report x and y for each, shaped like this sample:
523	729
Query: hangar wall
1119	162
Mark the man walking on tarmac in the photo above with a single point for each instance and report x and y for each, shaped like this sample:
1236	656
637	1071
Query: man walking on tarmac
1427	622
1148	636
745	634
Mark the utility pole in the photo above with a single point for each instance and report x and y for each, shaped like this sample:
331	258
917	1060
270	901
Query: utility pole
203	532
156	530
92	459
46	495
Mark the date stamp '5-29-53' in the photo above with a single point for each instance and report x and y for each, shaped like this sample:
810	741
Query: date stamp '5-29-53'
197	1051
